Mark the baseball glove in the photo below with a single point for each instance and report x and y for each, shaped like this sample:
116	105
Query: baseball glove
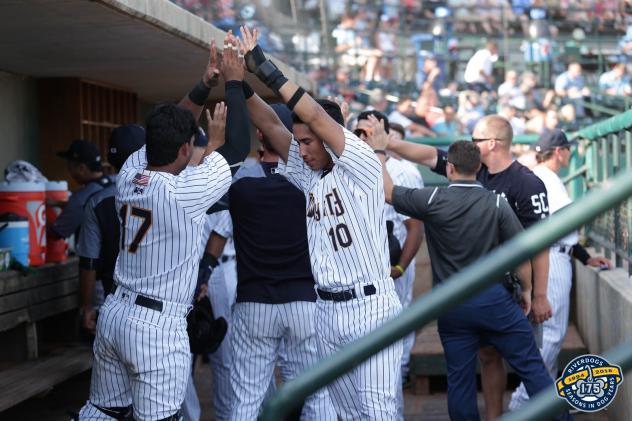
206	333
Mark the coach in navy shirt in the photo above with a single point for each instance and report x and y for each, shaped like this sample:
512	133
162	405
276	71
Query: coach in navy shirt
275	287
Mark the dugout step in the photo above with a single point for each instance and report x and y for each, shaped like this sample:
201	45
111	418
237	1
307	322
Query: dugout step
25	380
427	359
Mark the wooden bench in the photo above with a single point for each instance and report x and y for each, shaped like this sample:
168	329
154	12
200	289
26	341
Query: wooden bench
38	330
427	357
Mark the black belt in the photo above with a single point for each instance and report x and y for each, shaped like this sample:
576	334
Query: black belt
143	301
225	259
347	295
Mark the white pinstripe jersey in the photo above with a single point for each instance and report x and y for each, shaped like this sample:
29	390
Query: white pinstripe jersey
162	217
346	225
401	176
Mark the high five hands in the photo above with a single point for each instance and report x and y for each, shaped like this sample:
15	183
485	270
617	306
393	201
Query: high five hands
232	61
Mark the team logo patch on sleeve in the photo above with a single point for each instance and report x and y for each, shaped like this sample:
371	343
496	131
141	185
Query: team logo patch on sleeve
589	383
141	179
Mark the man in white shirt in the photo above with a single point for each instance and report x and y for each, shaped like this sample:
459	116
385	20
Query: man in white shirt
478	72
553	153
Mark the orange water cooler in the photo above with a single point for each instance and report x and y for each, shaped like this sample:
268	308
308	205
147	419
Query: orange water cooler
27	200
56	250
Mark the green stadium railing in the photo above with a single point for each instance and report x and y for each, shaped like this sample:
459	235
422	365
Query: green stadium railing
612	182
608	150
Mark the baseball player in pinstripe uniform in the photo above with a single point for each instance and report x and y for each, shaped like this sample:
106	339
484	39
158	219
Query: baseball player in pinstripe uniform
342	181
408	232
219	256
274	313
553	153
142	356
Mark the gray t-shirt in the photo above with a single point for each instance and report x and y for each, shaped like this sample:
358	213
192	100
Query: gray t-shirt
70	219
463	222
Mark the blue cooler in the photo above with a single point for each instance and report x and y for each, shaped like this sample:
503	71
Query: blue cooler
14	234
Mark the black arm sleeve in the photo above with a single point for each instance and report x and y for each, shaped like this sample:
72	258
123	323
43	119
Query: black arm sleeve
442	163
237	144
580	253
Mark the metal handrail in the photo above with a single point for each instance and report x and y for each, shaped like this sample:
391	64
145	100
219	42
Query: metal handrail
457	289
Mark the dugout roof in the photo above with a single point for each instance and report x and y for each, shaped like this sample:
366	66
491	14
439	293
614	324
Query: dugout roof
151	47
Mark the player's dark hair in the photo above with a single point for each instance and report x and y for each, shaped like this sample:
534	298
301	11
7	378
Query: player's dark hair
465	156
364	115
167	128
330	107
399	129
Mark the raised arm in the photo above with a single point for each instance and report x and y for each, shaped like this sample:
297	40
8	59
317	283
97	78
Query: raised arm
237	135
421	154
265	119
307	109
195	99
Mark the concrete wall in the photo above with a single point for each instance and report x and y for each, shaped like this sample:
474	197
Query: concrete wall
18	119
604	319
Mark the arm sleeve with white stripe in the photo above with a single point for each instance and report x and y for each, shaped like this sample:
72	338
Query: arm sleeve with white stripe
359	162
199	187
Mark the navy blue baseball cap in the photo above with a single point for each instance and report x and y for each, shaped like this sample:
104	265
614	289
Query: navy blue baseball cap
200	138
124	141
551	139
82	151
284	114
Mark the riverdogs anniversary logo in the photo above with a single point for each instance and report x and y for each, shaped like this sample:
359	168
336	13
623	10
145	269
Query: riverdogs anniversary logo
589	383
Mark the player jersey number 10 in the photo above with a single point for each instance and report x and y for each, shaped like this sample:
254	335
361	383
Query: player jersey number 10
145	215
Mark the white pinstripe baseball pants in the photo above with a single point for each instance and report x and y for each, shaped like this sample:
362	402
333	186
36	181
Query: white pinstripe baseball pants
554	329
141	357
369	391
222	288
259	332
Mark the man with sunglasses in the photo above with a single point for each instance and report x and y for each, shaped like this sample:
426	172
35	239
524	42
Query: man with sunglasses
526	195
553	152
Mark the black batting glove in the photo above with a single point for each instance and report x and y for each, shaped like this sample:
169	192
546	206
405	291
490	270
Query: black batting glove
254	58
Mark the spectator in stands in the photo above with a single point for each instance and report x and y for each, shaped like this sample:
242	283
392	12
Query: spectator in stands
626	41
615	81
511	114
450	125
570	86
478	72
543	120
510	87
386	43
533	98
429	77
403	114
470	109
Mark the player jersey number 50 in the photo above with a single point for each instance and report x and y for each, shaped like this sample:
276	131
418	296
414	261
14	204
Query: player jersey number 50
145	215
539	203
